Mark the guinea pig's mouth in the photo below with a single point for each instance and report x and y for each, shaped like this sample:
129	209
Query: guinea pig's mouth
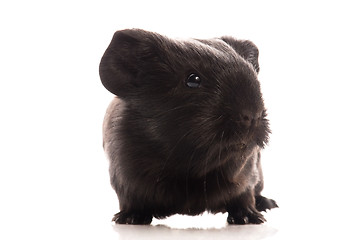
252	137
235	147
255	134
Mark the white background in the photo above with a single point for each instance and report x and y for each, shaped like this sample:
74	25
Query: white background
53	173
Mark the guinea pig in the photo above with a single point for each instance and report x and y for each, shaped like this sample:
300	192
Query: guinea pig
184	132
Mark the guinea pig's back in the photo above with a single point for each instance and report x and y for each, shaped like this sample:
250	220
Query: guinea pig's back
112	123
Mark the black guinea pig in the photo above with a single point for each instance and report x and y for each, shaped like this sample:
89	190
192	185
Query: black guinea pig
183	134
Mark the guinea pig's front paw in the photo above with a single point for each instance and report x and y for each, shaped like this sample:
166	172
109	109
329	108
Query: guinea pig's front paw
263	203
123	217
245	217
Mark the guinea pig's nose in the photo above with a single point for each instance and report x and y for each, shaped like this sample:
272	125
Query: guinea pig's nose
249	118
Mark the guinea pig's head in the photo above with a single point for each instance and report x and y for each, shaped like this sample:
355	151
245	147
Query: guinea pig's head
195	99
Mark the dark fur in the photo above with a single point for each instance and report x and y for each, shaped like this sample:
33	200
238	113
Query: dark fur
175	149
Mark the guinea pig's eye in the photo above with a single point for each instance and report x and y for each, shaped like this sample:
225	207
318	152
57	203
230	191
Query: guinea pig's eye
193	81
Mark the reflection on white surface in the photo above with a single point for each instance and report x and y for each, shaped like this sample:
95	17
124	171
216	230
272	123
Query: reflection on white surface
165	232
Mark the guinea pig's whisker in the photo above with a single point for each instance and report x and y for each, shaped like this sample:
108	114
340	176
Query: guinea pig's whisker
187	175
174	109
205	175
171	152
220	163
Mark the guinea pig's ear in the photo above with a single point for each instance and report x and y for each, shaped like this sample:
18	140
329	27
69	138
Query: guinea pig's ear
124	58
247	49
